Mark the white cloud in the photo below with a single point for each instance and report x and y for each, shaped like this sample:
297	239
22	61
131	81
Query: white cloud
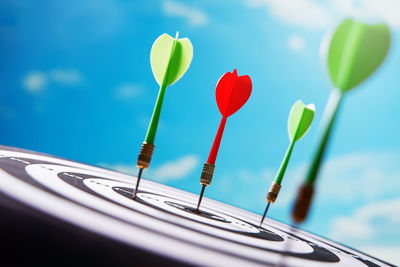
361	225
37	81
386	10
176	169
193	15
303	13
388	253
296	43
172	170
362	176
312	14
371	223
128	91
66	76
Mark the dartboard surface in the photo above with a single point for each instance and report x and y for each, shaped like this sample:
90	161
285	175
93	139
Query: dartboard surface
56	211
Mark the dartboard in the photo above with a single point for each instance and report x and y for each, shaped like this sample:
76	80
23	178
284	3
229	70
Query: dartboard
59	212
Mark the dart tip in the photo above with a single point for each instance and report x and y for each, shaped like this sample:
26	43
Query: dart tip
137	182
177	35
200	198
265	213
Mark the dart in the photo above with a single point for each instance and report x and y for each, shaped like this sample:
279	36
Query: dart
169	58
231	93
352	53
300	119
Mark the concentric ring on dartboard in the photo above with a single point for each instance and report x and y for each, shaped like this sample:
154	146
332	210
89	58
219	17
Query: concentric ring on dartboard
45	170
193	210
169	204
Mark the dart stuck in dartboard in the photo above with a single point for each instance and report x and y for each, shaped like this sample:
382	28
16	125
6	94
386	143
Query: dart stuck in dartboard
231	93
170	58
300	119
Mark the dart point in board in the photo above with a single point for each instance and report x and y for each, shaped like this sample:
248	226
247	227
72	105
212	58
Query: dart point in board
231	93
170	58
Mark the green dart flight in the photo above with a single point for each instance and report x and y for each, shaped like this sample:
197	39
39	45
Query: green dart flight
169	58
300	119
354	51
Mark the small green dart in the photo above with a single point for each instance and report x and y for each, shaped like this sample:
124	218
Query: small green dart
170	58
354	52
300	119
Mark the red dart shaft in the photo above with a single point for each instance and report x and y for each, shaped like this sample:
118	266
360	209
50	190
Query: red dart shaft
217	141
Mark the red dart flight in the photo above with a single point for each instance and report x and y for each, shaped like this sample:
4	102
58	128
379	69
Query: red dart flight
232	93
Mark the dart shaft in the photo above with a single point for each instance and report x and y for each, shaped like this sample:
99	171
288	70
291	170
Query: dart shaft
327	123
217	141
284	163
152	130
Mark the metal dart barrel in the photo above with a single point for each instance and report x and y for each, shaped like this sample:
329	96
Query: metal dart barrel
143	162
205	180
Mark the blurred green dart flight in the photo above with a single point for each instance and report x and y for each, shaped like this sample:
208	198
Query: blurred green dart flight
352	53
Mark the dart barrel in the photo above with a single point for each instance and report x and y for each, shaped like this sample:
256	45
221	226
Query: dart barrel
145	154
207	174
273	192
303	203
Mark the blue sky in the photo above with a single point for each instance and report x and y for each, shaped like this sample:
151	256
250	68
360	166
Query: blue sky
75	81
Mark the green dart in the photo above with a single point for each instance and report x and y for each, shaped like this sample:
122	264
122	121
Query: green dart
353	52
300	118
169	58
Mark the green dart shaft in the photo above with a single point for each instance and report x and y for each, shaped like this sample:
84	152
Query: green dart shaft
327	124
284	163
152	130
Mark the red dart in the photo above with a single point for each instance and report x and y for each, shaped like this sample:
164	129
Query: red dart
232	93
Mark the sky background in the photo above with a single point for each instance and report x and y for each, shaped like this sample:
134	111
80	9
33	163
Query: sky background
76	82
